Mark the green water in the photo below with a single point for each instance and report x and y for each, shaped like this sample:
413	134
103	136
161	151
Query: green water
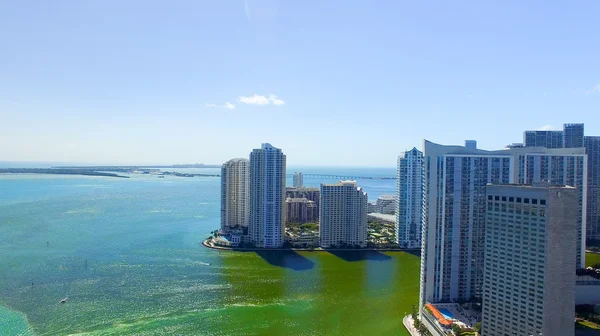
592	259
127	254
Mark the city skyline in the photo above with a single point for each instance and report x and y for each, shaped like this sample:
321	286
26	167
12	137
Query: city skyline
104	82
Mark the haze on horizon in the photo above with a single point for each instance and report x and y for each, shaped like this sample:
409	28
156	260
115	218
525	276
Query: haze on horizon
329	82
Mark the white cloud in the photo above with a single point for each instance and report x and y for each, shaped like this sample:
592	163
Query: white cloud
594	89
546	128
227	105
254	100
261	100
276	101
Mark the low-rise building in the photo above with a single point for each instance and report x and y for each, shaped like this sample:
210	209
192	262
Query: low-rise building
386	204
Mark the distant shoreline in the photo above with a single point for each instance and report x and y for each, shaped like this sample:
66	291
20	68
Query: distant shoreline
57	171
318	249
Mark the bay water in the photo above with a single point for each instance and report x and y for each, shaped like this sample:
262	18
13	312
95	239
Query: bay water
127	253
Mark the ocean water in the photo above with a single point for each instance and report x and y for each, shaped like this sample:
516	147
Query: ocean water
127	254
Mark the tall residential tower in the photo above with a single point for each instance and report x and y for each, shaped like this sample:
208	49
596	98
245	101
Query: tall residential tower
267	196
235	197
343	215
455	204
298	180
409	210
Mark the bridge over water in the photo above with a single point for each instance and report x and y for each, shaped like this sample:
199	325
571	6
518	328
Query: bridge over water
346	177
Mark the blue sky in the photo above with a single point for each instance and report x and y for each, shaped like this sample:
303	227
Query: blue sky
329	82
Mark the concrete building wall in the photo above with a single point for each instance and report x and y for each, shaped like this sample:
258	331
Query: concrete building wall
529	282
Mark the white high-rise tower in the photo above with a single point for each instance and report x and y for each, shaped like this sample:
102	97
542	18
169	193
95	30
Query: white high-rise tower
267	196
409	207
343	215
235	196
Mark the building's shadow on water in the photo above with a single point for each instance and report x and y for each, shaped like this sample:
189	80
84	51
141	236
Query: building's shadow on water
415	252
360	255
286	258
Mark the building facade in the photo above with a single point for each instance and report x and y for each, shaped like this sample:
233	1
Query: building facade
529	282
455	205
592	148
547	139
573	135
235	194
386	204
471	144
298	180
311	194
343	215
301	210
267	197
409	209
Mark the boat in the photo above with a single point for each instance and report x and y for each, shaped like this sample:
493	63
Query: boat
64	300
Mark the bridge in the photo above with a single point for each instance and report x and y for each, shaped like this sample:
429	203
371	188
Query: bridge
345	177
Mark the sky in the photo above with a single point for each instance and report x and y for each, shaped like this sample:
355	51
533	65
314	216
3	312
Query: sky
350	83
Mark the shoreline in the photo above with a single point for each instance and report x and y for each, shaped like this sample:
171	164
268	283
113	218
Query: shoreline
318	249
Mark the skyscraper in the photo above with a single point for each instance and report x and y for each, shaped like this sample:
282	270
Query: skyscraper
409	210
548	139
455	206
235	197
267	196
592	147
573	135
343	215
298	180
529	282
471	144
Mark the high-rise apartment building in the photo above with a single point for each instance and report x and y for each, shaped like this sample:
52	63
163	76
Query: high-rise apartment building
343	215
298	180
267	196
311	194
301	210
573	135
529	282
409	210
235	196
455	206
592	148
547	139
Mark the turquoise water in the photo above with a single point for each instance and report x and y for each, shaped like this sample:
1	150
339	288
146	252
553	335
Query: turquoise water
127	254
